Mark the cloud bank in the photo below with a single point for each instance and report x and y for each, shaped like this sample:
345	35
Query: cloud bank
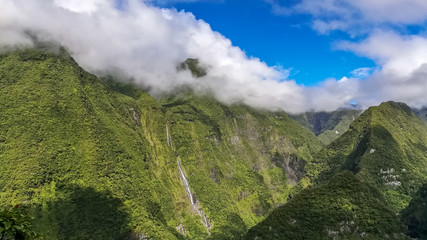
146	43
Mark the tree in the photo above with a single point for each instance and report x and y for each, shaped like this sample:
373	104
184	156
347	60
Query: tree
16	223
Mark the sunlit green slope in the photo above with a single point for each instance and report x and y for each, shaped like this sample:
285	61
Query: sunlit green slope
386	147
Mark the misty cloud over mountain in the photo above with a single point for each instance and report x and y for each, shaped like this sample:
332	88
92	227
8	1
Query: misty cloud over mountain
146	43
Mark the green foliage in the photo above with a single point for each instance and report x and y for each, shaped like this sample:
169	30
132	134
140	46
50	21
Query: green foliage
240	163
346	117
16	223
193	65
415	215
344	208
84	213
61	128
386	146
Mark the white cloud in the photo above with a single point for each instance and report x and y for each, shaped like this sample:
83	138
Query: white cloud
80	6
399	55
358	16
403	73
332	94
146	43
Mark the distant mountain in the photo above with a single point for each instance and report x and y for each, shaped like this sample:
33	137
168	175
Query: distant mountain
421	113
99	159
328	126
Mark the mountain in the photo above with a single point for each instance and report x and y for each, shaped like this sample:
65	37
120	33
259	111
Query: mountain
363	183
328	126
421	113
386	147
344	208
92	158
99	159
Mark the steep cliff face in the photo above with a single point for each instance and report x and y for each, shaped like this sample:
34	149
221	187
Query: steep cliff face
103	160
240	162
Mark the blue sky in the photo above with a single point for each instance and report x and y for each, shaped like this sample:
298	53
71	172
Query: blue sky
284	40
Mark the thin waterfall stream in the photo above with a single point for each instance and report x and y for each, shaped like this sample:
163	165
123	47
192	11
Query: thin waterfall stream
193	200
187	187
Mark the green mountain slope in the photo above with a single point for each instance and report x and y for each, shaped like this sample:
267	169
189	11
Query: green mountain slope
345	208
104	160
328	126
70	147
386	147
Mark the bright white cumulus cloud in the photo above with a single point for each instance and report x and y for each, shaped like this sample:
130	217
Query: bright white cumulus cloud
146	43
403	73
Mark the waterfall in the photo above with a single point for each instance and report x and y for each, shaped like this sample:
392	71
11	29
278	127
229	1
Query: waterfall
193	201
205	220
187	187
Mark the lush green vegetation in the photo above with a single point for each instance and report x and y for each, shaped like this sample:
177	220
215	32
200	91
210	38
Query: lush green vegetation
415	215
344	208
386	147
241	164
16	223
91	161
